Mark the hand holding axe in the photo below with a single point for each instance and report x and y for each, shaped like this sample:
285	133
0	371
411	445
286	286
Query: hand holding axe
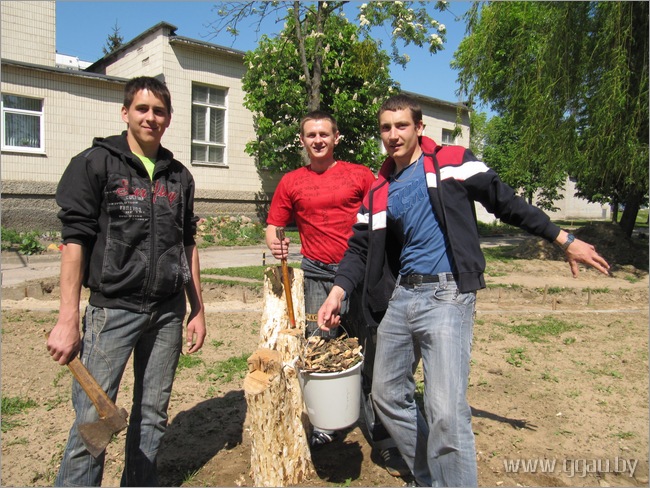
97	435
279	233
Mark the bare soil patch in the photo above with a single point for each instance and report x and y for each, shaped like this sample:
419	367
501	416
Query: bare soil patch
559	375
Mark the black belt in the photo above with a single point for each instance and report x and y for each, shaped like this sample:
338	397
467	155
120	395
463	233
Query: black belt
416	279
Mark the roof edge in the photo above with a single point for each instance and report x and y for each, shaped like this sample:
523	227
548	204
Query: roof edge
101	62
63	71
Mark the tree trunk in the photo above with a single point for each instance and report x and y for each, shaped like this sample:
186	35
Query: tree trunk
631	210
276	418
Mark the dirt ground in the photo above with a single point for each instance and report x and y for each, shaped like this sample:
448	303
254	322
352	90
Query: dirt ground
558	387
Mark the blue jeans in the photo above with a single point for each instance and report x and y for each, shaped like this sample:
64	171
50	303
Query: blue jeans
432	322
109	337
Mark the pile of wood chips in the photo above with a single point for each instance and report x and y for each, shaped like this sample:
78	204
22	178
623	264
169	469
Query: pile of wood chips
330	355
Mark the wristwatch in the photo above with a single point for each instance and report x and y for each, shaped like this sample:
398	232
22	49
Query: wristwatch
569	239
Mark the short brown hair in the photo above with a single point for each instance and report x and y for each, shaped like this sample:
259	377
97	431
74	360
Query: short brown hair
318	115
402	102
155	86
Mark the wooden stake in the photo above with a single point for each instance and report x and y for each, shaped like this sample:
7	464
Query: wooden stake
279	232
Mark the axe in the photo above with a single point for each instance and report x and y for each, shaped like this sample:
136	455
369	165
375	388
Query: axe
97	435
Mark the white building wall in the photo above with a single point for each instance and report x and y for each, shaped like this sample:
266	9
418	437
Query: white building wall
28	31
181	65
437	118
75	110
569	208
146	58
186	66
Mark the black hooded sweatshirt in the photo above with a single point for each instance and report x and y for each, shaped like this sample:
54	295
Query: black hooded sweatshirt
134	230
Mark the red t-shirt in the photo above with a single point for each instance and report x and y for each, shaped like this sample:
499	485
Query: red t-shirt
324	207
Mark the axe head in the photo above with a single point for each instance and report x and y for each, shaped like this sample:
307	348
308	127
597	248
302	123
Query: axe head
97	435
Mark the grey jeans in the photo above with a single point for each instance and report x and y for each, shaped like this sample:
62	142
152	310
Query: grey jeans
110	336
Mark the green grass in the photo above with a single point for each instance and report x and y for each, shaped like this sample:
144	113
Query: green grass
517	356
187	361
553	290
605	372
509	286
225	282
623	435
226	371
596	290
538	330
249	272
13	406
498	254
293	236
496	229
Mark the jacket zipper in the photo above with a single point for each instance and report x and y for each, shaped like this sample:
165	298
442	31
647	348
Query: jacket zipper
152	241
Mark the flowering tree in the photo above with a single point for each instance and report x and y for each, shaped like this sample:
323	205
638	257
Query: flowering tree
354	80
322	60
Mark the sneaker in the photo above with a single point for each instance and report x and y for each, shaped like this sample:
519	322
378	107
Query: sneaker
319	438
394	463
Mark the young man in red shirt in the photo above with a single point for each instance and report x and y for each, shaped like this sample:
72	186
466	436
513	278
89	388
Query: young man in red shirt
323	199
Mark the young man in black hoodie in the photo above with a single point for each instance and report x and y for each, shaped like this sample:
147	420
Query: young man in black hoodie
416	248
127	210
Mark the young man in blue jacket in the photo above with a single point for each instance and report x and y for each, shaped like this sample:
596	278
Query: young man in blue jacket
416	248
127	209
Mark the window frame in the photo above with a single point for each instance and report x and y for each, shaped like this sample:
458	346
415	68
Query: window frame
450	133
207	143
19	111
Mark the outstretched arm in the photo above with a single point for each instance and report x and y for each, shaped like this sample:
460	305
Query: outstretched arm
196	329
581	252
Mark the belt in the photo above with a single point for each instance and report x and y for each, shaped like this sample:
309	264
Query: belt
416	279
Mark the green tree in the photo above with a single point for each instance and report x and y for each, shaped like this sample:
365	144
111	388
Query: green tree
614	125
502	152
571	80
113	41
354	81
334	64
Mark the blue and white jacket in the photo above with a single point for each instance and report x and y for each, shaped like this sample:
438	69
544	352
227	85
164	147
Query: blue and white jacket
455	180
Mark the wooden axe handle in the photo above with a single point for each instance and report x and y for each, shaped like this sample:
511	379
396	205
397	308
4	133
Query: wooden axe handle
104	405
279	232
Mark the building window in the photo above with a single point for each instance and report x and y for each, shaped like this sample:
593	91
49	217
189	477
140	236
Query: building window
208	125
448	138
22	124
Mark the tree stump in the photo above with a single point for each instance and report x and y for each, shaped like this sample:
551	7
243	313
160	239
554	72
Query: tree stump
276	418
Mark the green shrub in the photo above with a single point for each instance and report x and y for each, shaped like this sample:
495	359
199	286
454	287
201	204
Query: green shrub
25	242
230	231
30	244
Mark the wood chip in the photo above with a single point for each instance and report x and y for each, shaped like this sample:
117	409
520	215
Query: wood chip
330	355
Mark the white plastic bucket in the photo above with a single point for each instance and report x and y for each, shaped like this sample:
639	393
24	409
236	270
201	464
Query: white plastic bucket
332	399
